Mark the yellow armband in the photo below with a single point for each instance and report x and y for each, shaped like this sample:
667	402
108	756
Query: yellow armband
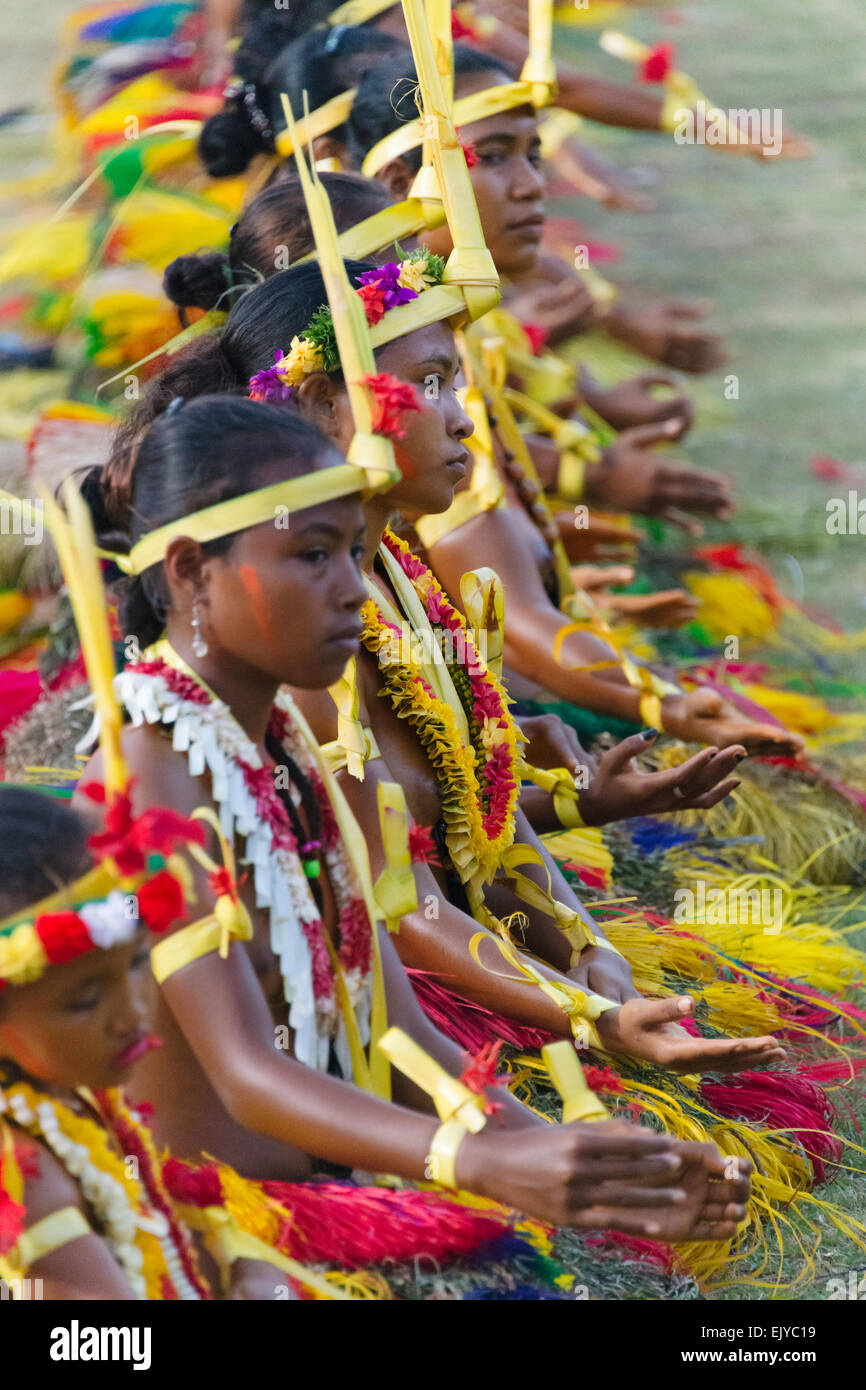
49	1234
650	707
570	475
581	1008
354	744
452	1099
558	782
442	1158
228	922
395	890
566	1073
337	755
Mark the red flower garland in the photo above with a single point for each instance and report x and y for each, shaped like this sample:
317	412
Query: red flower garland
161	902
373	299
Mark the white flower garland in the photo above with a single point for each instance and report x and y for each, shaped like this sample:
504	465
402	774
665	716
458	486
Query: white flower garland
214	742
114	1210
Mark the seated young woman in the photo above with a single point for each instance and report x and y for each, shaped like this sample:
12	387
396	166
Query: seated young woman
235	618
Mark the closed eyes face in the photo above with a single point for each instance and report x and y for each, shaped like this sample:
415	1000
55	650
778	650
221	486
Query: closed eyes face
73	1025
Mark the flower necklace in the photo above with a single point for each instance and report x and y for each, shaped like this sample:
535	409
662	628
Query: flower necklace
134	1213
478	781
250	806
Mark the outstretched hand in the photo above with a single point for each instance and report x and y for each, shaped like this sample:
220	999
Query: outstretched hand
668	331
649	1029
635	402
620	790
632	478
704	716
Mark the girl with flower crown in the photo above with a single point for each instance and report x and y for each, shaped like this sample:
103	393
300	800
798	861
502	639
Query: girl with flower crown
261	1043
76	1000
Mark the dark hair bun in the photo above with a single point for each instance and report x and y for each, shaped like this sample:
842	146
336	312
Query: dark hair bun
197	282
227	144
92	490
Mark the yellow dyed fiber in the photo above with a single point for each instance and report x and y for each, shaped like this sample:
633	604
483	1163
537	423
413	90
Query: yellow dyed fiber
49	252
809	832
730	605
584	846
13	607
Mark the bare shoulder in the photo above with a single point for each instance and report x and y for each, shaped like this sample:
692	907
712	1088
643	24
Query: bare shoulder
160	775
47	1185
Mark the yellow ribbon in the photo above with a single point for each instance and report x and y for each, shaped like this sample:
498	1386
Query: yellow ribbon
240	513
576	931
229	921
395	889
682	93
579	1102
76	547
49	1234
318	122
227	1241
96	883
581	1008
229	912
536	87
470	264
355	345
558	782
452	1099
486	490
353	739
383	228
484	605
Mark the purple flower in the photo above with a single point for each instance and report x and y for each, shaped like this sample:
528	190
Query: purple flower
267	386
386	277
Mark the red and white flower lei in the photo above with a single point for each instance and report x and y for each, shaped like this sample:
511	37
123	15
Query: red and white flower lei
249	806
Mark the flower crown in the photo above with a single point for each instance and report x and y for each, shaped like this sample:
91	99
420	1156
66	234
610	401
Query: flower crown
316	349
138	878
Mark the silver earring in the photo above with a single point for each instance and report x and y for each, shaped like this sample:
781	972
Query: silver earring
199	645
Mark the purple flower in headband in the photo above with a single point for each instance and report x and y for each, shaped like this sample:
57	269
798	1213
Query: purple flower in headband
267	385
386	277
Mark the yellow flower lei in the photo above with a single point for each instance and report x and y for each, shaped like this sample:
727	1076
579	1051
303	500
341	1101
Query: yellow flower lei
475	855
80	1129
